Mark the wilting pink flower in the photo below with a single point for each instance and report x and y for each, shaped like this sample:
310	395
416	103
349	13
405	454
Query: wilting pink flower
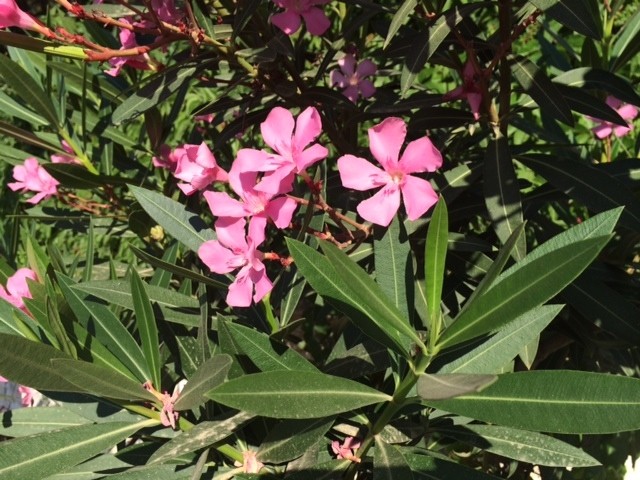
385	142
626	111
353	78
291	153
469	90
346	450
168	417
197	166
31	177
166	158
128	40
289	21
232	251
14	396
62	158
250	463
17	287
253	203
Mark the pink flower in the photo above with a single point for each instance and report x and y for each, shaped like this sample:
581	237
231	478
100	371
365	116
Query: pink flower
128	40
31	177
385	142
12	16
14	396
166	158
166	11
289	21
17	287
258	205
626	111
197	166
353	78
250	463
232	251
65	158
469	90
168	417
346	450
292	155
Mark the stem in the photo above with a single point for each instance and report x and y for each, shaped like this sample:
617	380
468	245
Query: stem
78	151
268	311
504	97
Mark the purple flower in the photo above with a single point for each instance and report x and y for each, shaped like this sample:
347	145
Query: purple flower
290	20
352	77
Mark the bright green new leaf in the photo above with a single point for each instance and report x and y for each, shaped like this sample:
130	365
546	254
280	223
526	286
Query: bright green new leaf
289	394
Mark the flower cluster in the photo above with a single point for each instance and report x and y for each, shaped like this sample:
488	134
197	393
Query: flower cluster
32	177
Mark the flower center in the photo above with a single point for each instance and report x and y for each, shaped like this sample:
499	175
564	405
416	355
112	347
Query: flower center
397	177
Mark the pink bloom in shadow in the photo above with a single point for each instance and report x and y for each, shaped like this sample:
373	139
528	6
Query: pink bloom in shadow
232	251
606	129
250	462
197	167
293	154
253	203
353	78
385	142
17	287
347	449
31	177
290	20
469	90
166	158
128	40
62	158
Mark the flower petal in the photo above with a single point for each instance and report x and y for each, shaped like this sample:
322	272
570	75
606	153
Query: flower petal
420	156
222	205
337	79
366	88
308	128
231	234
381	208
366	68
347	64
316	21
289	22
311	155
602	131
277	182
628	112
418	196
359	174
385	141
262	284
252	160
277	130
239	294
216	257
351	92
281	210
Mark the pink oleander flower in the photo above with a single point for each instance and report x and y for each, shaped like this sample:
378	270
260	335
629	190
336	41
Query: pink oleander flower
166	158
166	11
250	463
293	154
168	417
290	20
352	77
207	118
260	206
232	251
385	142
17	287
469	90
128	40
62	158
197	167
12	16
31	177
606	129
14	396
346	450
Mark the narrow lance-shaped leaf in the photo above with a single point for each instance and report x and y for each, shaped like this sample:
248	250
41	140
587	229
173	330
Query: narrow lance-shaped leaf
602	80
291	438
209	375
389	464
530	286
502	194
557	401
579	15
627	44
435	254
399	18
449	385
290	394
147	328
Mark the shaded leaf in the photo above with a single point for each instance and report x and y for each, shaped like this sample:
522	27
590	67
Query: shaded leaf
291	438
389	464
209	375
579	15
147	328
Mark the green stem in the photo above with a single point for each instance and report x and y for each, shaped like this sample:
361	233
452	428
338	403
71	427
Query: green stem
268	311
78	151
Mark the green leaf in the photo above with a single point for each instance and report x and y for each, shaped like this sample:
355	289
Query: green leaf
425	467
294	285
367	293
183	225
14	109
490	356
29	363
389	464
39	456
291	438
24	136
261	350
579	15
107	328
435	255
324	280
292	394
331	470
28	89
602	80
74	76
147	328
580	101
200	436
529	286
399	18
530	447
30	421
502	195
159	87
101	381
209	375
596	189
75	176
557	401
627	45
449	385
542	90
118	292
428	45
